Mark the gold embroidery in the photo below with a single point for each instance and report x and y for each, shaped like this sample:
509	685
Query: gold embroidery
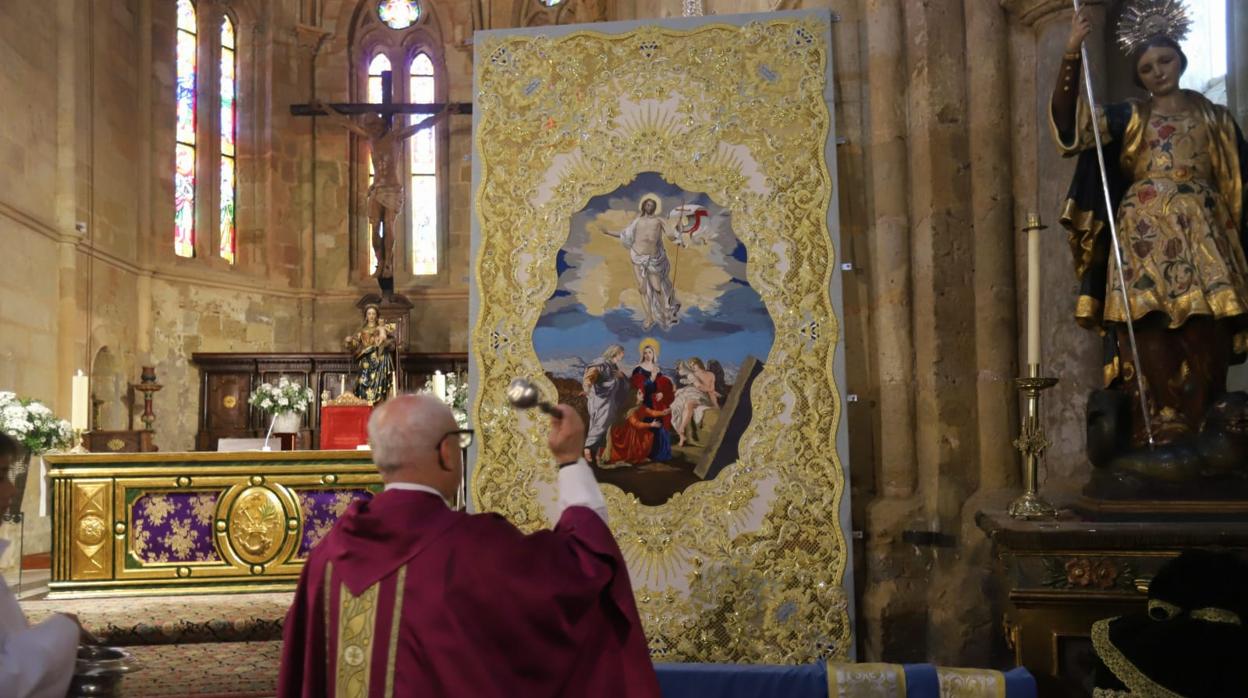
327	585
548	140
395	620
1082	232
853	680
1127	673
1216	615
357	622
970	683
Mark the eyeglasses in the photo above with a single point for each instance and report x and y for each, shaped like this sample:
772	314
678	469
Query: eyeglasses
464	437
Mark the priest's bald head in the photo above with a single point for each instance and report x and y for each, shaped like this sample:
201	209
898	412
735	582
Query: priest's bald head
414	439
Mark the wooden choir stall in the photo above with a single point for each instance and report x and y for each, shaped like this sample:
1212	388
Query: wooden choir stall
226	381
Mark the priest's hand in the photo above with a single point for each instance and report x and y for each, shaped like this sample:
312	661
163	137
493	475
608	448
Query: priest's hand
567	435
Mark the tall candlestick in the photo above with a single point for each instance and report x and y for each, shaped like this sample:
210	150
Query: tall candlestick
439	385
79	406
1033	289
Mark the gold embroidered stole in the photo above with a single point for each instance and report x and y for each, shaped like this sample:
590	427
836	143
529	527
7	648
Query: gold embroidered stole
354	642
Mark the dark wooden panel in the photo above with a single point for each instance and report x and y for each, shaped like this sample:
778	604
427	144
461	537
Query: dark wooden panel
226	381
225	405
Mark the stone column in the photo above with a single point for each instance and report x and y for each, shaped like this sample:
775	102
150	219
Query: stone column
942	254
146	110
69	329
891	306
996	329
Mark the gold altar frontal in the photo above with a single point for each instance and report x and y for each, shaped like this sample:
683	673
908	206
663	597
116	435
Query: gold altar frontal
182	523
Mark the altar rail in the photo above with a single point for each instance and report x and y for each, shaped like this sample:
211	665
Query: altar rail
226	381
145	523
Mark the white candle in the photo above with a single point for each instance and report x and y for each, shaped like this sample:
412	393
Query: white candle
1033	290
439	385
79	406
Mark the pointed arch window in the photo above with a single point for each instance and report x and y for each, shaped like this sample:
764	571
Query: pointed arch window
184	149
228	247
423	197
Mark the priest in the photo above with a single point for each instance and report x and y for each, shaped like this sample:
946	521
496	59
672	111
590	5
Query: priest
35	661
406	596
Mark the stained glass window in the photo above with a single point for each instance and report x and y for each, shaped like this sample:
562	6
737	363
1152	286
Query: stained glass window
423	198
229	94
184	150
376	67
398	14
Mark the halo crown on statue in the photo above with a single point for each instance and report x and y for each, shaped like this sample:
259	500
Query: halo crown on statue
1145	20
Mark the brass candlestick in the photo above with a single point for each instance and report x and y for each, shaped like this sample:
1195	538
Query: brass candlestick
1032	442
78	448
147	385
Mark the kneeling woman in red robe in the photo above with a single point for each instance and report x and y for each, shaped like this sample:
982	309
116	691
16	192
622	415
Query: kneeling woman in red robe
641	438
408	597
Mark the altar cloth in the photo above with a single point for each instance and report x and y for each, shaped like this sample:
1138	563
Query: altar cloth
811	681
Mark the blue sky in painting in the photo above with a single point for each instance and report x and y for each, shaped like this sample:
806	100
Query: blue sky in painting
735	325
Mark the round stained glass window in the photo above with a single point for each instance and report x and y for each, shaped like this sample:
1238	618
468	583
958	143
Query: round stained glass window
398	14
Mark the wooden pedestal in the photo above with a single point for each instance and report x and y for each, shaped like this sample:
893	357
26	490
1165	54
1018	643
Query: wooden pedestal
1059	577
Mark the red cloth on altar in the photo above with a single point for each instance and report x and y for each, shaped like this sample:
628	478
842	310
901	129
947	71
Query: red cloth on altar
483	611
344	426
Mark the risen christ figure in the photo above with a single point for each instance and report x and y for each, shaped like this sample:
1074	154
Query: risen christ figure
644	240
386	194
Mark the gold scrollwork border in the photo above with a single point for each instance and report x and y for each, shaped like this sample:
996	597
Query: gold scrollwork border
749	566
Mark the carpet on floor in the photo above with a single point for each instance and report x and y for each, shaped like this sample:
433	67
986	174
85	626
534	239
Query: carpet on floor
165	620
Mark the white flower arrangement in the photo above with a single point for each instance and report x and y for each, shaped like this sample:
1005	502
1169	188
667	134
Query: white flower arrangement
33	424
284	398
455	394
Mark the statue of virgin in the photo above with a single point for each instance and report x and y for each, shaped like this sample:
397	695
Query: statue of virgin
373	348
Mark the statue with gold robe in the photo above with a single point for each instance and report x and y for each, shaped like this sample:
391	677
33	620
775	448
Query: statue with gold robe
1176	170
373	349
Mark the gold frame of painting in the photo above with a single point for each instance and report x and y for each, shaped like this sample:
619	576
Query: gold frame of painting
750	566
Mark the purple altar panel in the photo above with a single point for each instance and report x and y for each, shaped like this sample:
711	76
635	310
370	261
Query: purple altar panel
321	509
174	527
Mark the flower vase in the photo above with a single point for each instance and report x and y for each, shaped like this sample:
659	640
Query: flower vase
287	423
19	472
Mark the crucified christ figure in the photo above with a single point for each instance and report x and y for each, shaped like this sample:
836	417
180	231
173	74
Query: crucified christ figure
386	195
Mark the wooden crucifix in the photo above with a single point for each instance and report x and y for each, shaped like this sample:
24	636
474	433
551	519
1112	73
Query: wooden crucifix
387	192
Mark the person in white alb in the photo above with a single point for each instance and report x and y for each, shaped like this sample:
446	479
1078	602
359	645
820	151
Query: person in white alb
35	661
406	596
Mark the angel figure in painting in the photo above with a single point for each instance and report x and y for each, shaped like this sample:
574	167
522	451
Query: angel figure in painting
699	393
651	266
1176	170
373	349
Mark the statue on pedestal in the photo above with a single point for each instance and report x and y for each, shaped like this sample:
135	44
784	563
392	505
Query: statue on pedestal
373	348
1175	170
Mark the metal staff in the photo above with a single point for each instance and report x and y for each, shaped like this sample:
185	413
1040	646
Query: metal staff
1113	234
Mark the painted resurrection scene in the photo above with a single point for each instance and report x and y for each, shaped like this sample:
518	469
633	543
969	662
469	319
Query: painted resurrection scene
655	335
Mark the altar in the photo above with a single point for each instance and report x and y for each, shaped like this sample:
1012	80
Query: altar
143	523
